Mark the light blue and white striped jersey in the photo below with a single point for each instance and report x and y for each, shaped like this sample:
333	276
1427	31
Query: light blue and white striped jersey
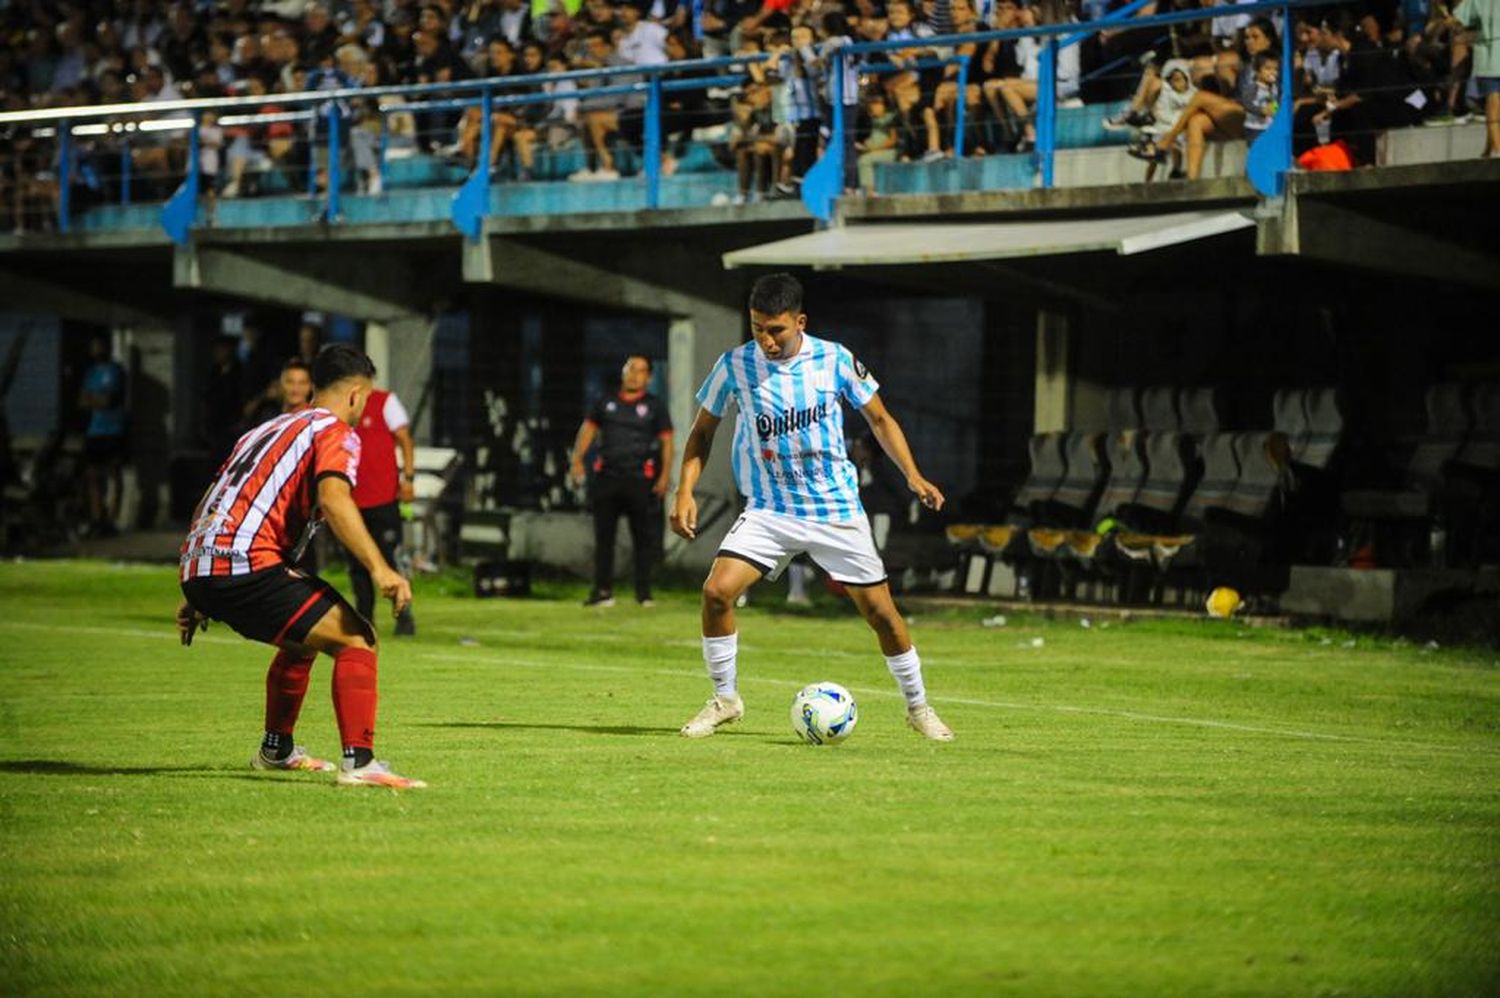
789	454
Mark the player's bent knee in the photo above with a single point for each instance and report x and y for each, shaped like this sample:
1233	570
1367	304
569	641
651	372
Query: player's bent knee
718	596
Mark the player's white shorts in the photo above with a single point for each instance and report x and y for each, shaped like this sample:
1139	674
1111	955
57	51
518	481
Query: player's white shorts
845	550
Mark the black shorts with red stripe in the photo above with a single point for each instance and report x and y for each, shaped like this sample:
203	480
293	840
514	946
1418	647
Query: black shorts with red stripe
274	605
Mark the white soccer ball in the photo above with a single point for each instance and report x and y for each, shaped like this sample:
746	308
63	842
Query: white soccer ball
824	714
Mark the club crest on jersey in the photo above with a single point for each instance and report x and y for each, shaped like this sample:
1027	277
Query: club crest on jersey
609	407
789	421
641	410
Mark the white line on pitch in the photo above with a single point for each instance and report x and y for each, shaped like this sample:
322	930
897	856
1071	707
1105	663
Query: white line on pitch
169	633
965	701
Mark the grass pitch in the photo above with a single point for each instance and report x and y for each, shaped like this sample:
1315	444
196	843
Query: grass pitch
1144	808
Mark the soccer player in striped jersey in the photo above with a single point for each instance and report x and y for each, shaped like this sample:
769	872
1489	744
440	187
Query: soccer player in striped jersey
802	490
237	567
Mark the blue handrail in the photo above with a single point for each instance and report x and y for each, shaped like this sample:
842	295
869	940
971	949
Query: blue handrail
653	82
1058	36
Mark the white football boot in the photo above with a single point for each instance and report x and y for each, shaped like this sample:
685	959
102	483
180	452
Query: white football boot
720	709
926	722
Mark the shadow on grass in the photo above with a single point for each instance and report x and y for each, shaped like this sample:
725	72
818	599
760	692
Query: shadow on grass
588	729
61	767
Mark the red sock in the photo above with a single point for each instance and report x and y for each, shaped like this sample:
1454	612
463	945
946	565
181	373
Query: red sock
286	685
354	696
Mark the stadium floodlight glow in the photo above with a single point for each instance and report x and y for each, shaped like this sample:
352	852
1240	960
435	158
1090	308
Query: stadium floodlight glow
166	124
96	129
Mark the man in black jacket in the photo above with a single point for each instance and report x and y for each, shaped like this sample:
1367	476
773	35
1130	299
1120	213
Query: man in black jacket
634	433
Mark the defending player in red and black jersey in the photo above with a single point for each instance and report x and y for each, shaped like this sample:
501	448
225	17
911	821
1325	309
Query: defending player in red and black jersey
237	567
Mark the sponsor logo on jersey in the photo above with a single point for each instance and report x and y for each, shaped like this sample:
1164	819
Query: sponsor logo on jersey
789	421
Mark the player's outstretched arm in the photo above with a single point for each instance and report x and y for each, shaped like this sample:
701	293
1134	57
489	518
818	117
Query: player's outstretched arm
893	442
695	453
336	500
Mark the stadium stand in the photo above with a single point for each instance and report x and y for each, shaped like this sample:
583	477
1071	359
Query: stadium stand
114	52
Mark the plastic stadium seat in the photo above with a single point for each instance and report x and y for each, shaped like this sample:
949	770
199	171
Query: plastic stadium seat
1425	467
1198	412
1048	468
1325	429
1289	416
1083	127
1072	502
1265	468
1127	472
1121	412
1481	449
1046	474
1221	472
1159	410
1164	488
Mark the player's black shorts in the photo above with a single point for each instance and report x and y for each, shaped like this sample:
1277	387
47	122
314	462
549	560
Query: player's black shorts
273	605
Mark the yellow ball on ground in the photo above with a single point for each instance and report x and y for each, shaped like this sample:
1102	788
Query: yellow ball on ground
1222	602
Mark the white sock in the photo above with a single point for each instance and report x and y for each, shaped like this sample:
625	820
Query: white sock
719	656
907	669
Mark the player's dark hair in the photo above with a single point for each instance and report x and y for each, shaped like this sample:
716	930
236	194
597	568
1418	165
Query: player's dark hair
775	294
650	364
296	364
338	361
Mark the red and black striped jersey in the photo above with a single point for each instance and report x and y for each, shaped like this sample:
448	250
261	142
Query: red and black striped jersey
266	492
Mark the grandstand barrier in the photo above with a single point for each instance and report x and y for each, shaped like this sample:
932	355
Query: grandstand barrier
1064	134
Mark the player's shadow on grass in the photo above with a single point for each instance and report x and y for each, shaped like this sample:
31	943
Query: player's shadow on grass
61	767
588	729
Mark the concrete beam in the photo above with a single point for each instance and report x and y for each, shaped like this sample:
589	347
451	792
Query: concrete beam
379	286
664	282
36	295
1310	228
1111	199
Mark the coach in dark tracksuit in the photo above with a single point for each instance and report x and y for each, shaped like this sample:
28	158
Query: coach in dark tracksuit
630	476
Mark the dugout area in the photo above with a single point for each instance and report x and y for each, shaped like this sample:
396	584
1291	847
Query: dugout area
992	320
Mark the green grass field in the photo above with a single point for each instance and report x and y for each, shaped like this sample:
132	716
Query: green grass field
1143	808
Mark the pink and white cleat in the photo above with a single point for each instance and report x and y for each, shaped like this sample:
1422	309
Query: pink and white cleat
377	774
299	762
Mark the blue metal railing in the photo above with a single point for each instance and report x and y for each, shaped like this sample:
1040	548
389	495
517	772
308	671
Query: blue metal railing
471	202
1275	159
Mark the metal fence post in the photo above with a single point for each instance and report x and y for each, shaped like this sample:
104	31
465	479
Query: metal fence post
959	106
125	165
1286	99
1046	111
652	152
64	174
486	136
836	133
385	148
335	167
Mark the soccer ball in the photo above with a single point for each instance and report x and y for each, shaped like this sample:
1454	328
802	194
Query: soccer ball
823	714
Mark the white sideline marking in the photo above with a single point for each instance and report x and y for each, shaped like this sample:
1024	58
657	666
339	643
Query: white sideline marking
1129	715
169	633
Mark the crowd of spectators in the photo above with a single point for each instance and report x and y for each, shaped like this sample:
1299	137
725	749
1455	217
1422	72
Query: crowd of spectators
1361	69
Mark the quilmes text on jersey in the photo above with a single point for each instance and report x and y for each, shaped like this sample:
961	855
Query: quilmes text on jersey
789	421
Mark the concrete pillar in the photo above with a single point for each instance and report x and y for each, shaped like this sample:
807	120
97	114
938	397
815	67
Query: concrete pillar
694	342
1053	380
402	352
149	354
